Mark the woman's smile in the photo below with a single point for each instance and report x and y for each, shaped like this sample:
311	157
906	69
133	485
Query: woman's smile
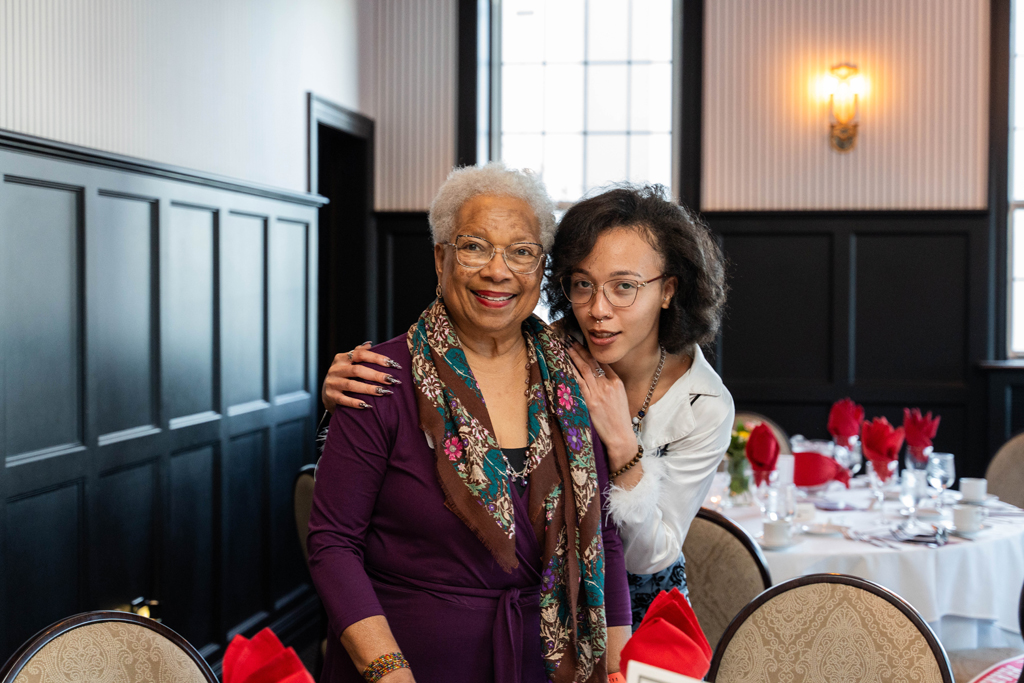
493	299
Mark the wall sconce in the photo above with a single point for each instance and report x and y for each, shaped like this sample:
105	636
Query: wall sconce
844	87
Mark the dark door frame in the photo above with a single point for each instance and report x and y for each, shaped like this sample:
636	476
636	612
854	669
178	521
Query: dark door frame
323	112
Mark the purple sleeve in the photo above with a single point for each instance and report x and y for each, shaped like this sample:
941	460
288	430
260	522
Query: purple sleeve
348	478
616	585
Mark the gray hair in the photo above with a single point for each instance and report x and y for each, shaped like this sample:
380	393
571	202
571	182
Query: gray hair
494	179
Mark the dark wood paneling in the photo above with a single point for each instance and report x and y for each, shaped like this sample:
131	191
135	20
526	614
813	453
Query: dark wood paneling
40	317
287	567
122	337
910	320
243	311
288	277
124	518
42	555
407	272
189	567
189	282
764	266
245	527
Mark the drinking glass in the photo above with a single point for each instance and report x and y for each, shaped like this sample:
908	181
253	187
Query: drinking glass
913	483
849	456
917	458
941	473
878	483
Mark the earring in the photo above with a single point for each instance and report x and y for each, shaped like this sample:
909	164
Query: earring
440	294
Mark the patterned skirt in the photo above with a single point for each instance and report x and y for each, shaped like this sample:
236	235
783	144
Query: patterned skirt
643	588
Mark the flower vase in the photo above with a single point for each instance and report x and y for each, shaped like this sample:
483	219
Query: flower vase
739	483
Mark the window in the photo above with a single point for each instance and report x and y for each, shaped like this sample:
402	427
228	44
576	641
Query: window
586	92
1015	297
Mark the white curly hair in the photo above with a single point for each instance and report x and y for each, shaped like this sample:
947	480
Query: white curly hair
495	179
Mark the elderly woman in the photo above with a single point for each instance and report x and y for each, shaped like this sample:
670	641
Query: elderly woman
456	531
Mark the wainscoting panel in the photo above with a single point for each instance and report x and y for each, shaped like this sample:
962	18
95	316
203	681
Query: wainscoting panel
147	316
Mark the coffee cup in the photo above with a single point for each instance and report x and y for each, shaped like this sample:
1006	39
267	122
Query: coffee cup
968	518
973	490
779	532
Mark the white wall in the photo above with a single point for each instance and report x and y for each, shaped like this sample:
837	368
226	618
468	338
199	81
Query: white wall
923	139
407	84
214	85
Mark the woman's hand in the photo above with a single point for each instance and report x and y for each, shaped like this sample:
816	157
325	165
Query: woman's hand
346	367
609	408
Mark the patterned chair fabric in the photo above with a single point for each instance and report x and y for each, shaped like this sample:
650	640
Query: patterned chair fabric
1005	472
303	500
724	571
109	647
756	418
829	628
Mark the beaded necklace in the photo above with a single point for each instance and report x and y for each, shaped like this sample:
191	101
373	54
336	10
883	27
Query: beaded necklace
650	392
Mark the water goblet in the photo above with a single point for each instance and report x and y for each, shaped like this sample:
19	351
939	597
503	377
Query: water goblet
879	475
913	483
941	474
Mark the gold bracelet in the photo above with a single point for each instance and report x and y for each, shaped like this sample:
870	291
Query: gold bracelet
629	465
383	665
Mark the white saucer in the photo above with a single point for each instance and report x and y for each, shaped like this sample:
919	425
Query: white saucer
990	499
771	546
923	513
822	529
969	534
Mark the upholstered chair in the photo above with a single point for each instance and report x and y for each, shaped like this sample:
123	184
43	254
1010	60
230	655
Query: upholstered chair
743	418
725	570
118	647
302	496
829	628
1005	472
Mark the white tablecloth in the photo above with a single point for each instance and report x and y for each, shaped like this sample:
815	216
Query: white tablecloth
968	590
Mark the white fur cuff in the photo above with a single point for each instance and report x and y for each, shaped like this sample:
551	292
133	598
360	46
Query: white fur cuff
636	505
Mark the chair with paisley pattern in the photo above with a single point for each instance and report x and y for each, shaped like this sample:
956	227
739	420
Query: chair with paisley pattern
829	627
106	646
725	570
745	418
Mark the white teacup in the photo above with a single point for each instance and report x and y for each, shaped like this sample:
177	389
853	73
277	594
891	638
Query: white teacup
779	532
969	518
973	490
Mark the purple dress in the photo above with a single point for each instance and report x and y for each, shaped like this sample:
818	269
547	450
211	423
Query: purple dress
382	542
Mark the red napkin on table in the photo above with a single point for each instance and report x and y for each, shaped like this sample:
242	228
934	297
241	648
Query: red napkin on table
881	444
815	469
920	430
762	452
262	660
844	420
669	637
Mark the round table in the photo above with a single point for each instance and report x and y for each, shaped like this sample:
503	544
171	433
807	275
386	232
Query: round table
967	590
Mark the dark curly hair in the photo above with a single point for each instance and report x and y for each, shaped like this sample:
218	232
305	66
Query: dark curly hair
690	253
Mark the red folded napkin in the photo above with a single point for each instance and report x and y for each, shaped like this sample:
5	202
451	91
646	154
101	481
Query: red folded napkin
919	430
762	452
262	660
881	444
669	637
844	420
815	469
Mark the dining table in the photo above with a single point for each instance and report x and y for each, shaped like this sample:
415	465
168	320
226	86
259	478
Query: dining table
967	589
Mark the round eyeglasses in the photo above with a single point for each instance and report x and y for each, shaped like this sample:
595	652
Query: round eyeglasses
476	252
620	293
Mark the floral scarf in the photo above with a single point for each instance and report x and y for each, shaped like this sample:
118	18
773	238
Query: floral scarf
560	458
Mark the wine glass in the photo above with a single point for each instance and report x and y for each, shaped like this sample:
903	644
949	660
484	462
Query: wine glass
941	473
913	483
878	479
849	456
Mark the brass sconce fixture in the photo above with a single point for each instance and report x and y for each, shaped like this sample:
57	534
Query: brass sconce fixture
844	89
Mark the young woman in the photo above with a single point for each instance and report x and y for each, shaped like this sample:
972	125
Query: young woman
641	283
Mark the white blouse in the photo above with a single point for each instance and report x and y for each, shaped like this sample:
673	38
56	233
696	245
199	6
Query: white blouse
685	436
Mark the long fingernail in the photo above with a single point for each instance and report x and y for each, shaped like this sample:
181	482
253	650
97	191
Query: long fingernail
381	391
394	364
392	380
364	405
365	343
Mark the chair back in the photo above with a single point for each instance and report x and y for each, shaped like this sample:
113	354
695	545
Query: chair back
743	418
725	570
829	627
1005	472
106	646
302	498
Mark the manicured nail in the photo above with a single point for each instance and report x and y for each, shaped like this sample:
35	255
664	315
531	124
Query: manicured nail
381	391
394	364
367	343
363	405
392	380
